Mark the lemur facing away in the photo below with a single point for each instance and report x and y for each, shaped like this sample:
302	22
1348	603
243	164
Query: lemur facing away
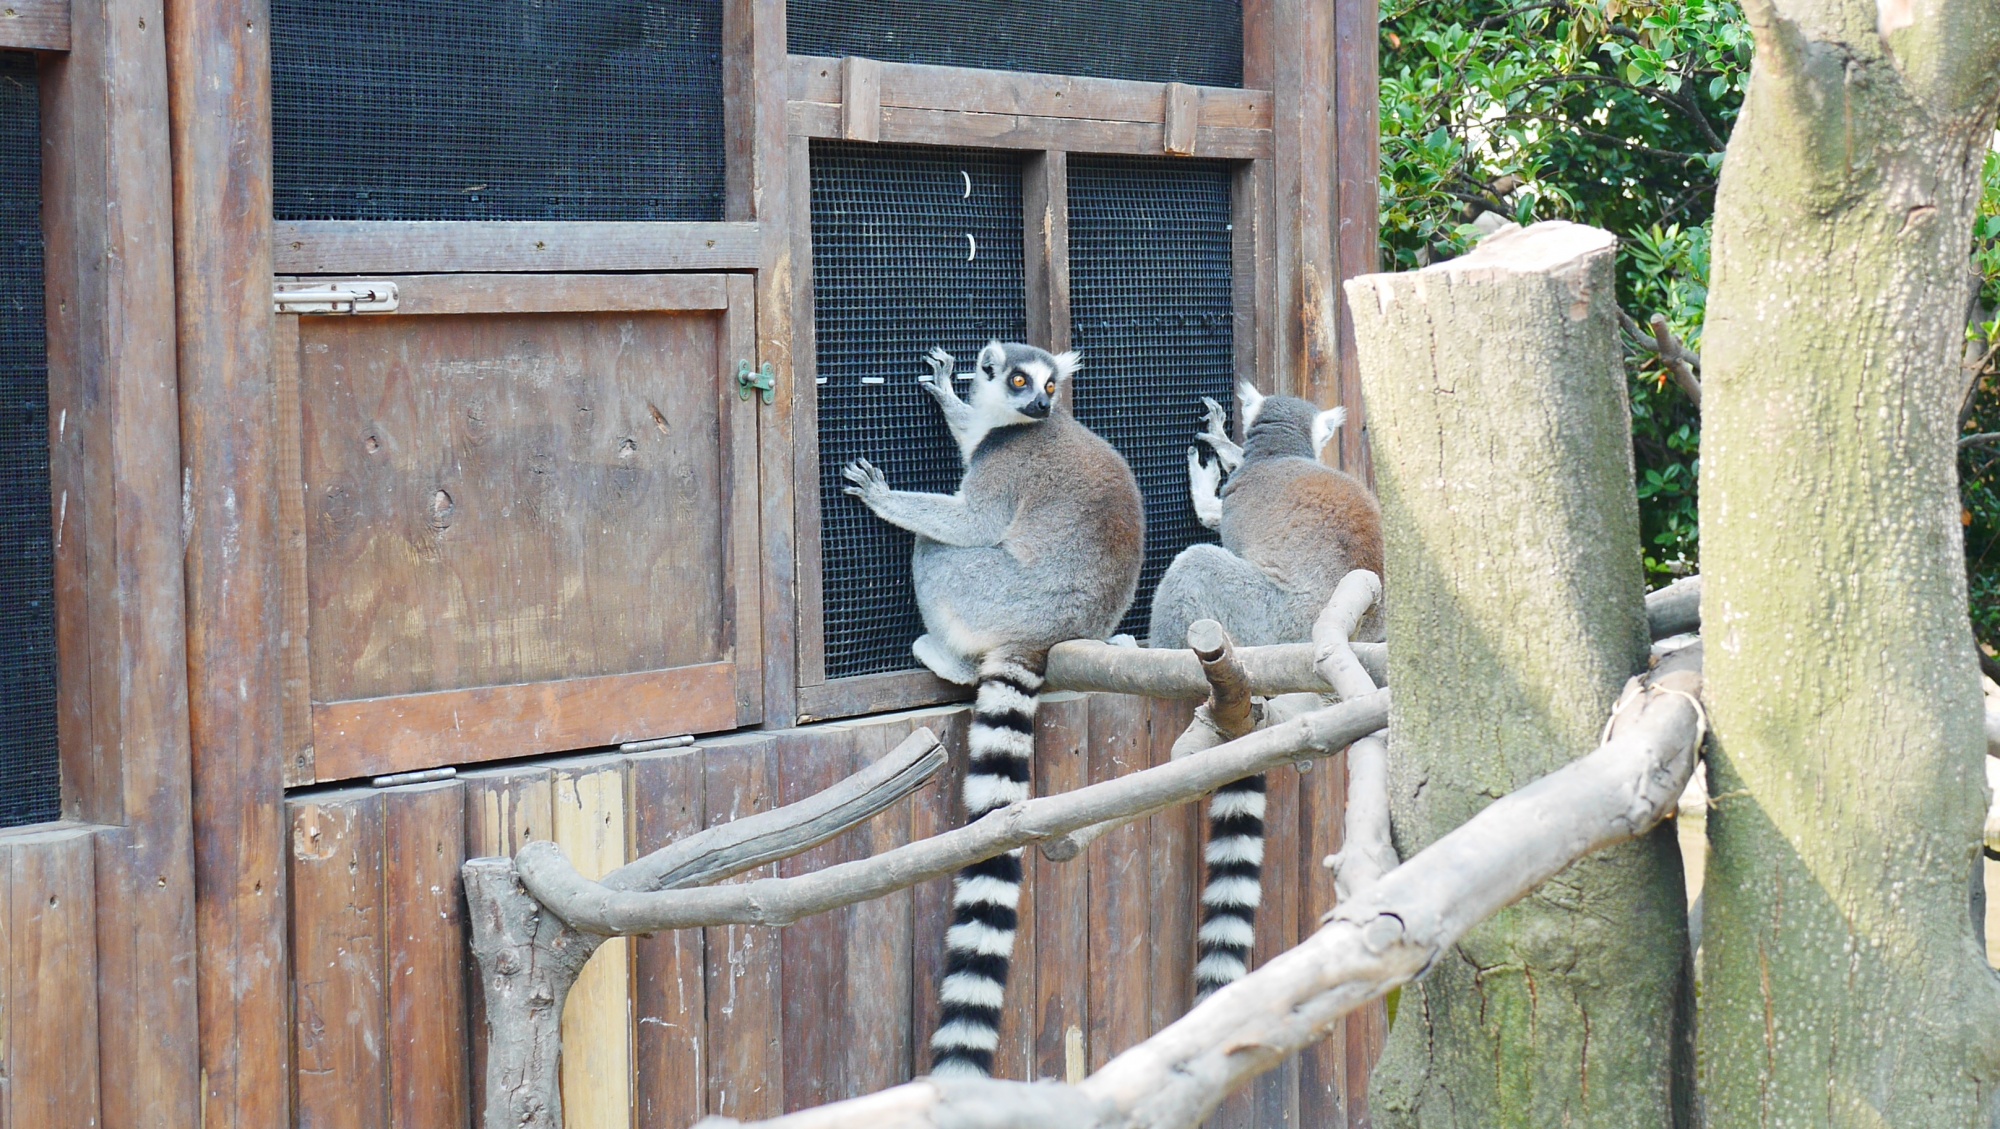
1042	543
1291	528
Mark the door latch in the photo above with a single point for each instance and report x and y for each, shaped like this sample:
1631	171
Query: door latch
334	298
764	379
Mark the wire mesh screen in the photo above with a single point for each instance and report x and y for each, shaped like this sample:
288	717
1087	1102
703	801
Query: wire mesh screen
29	784
1150	310
497	110
912	247
1195	41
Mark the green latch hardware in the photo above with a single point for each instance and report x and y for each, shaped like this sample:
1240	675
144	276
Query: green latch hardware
764	380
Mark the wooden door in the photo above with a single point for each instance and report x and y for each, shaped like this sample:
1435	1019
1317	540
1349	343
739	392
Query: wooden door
524	518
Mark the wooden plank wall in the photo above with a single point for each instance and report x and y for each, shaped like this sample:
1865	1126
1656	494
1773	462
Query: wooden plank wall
48	978
752	1022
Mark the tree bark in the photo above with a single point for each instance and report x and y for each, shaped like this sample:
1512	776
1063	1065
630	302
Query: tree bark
1840	987
1503	452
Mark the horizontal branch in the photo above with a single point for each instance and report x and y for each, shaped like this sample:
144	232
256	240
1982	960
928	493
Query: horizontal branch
1287	668
596	908
1385	937
1675	609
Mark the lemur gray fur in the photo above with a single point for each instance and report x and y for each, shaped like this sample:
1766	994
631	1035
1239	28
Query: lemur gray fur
1042	543
1291	528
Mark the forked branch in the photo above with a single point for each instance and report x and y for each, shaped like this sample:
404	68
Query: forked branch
1383	938
597	908
1367	851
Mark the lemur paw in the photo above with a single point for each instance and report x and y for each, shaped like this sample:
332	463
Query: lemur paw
869	485
1218	420
940	363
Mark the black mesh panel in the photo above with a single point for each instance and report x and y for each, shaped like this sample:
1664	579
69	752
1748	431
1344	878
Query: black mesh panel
893	228
497	110
1149	246
28	770
1196	41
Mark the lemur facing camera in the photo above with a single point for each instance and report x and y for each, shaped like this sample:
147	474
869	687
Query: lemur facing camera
1291	528
1042	543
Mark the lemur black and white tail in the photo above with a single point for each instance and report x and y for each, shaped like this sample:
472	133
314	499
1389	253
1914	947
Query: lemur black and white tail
1235	884
986	894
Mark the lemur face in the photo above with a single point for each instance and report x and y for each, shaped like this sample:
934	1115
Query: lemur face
1018	383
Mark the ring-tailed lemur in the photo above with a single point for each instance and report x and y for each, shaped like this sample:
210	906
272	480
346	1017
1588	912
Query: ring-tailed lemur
1042	543
1291	528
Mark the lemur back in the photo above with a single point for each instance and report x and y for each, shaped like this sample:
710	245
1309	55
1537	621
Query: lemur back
1291	528
1042	543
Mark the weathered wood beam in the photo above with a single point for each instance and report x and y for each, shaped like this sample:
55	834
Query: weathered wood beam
1287	668
596	908
1384	938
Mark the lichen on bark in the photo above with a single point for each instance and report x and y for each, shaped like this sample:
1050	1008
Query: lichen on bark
1841	985
1502	447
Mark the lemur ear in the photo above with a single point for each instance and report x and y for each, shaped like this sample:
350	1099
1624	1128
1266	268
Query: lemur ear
992	357
1252	401
1067	363
1324	425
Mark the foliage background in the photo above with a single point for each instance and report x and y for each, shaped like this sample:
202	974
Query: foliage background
1615	113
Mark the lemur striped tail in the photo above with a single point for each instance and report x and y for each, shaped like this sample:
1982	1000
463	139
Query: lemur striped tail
1235	885
985	894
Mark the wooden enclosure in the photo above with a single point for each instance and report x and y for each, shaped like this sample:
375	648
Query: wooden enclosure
563	492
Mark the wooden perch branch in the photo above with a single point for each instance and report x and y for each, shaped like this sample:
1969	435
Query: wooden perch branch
1083	664
1367	851
1385	937
596	908
528	959
1227	715
1675	609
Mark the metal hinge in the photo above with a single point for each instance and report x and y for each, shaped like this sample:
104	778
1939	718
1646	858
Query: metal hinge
764	380
334	298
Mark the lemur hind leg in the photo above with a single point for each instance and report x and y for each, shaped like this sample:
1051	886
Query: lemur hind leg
943	661
1210	582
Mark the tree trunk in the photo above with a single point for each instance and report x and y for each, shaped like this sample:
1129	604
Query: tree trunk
1840	983
1502	446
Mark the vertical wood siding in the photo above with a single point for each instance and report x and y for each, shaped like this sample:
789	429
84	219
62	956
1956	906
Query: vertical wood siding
751	1022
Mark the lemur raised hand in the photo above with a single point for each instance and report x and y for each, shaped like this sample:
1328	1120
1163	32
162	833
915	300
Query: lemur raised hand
1042	543
1291	528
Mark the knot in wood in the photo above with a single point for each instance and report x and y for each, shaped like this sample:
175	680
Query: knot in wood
507	964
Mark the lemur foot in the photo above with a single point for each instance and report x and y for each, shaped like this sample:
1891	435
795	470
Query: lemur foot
943	662
869	485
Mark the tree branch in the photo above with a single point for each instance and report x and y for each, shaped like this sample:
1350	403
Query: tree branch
1682	365
596	908
1384	938
1675	609
1286	668
1367	850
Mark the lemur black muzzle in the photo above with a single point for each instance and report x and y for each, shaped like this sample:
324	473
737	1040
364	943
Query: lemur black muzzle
1038	408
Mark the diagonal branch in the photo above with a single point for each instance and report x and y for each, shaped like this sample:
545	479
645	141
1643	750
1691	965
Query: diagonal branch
596	908
1384	938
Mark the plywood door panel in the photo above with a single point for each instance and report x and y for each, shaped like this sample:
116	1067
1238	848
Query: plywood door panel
48	979
530	518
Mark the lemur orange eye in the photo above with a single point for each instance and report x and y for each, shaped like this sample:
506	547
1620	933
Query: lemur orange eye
1019	381
1050	388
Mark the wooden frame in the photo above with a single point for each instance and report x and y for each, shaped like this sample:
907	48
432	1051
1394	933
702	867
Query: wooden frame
926	105
337	740
1051	117
115	463
35	25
